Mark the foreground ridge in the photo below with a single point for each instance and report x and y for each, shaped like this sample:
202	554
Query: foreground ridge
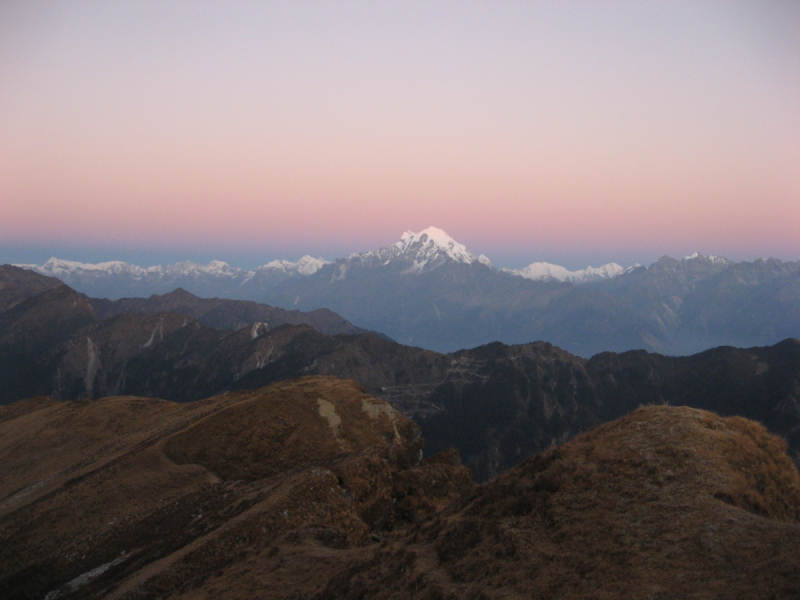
133	497
312	489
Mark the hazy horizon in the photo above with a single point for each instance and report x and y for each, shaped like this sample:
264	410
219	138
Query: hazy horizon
243	260
574	133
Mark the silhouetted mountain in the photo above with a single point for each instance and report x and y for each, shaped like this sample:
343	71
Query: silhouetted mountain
16	284
225	314
521	399
35	334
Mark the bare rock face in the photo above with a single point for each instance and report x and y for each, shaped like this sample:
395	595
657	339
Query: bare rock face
141	498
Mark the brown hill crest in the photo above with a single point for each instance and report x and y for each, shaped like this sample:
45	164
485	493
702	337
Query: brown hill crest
310	488
129	497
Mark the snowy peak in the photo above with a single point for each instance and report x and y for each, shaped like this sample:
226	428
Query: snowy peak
542	271
308	265
432	240
714	260
430	248
57	267
189	268
694	263
414	253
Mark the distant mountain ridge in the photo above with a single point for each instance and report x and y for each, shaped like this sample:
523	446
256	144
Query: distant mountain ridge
422	251
230	315
117	279
426	249
56	267
429	290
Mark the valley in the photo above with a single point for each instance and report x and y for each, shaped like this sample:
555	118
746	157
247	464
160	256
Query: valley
399	300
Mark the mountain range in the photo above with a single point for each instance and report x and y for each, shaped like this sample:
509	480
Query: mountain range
428	290
497	404
145	458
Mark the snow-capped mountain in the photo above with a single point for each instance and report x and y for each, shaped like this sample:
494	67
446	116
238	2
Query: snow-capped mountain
542	271
117	279
414	253
714	260
432	245
308	265
429	290
56	267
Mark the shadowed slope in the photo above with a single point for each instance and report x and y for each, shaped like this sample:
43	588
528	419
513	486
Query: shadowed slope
224	313
16	284
497	404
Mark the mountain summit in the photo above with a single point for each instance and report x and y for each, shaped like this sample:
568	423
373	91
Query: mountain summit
432	242
313	489
308	265
416	253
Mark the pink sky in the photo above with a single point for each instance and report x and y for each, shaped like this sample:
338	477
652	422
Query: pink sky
571	132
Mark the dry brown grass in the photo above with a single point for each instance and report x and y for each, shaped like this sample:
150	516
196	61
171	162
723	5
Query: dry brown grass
665	503
173	496
309	489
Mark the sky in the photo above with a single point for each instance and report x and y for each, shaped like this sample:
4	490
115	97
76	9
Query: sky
575	133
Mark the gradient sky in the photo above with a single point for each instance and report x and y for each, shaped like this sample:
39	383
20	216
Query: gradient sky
572	132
